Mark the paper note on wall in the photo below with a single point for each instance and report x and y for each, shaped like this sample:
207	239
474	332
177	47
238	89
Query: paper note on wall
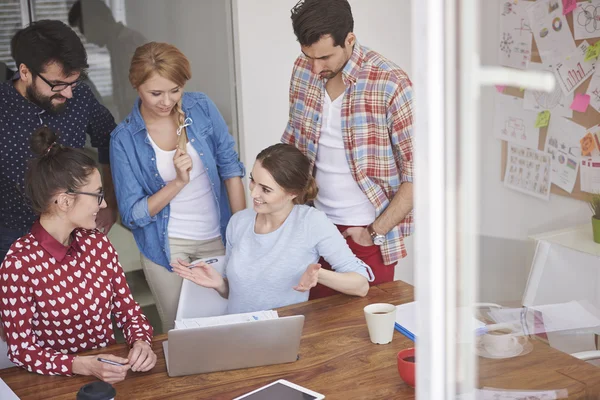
543	119
528	171
572	70
550	30
514	49
590	175
562	143
586	24
513	123
580	103
556	101
587	144
593	91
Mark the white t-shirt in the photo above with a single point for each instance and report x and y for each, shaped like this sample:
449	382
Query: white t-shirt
194	214
339	195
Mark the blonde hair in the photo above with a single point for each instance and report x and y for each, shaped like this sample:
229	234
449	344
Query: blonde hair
168	62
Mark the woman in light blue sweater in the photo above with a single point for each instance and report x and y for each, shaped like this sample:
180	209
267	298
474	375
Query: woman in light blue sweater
272	249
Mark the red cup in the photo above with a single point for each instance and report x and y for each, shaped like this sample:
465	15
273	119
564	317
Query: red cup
406	366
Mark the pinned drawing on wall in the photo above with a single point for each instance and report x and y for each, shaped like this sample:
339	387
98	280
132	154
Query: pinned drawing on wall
513	123
515	35
528	171
562	143
586	20
550	30
593	91
572	70
555	102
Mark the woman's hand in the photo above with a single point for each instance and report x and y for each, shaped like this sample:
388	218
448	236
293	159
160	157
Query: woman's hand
201	274
183	166
89	365
141	357
309	278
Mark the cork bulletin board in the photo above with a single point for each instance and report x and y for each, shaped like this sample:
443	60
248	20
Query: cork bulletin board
587	119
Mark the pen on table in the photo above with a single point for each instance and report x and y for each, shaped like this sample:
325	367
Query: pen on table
104	360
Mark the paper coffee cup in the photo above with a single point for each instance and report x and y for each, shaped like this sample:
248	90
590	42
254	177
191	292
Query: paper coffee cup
381	318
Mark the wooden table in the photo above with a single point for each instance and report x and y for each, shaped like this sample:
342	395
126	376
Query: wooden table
336	359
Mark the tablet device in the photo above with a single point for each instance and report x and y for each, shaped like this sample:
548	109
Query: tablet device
281	389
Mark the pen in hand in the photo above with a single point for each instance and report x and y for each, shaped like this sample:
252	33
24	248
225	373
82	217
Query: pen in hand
104	360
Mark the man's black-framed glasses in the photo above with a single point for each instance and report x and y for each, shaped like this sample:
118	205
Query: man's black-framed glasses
59	87
100	195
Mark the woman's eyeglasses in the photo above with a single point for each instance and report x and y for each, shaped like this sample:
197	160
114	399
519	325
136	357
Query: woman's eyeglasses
100	195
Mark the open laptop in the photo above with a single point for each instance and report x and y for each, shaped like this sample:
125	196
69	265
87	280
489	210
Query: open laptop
233	346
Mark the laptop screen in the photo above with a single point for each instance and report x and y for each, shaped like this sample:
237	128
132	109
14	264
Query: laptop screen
279	391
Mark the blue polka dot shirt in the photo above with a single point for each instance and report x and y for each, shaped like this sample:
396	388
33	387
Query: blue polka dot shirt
19	118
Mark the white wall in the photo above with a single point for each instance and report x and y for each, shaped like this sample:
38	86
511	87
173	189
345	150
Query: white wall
508	216
201	30
267	49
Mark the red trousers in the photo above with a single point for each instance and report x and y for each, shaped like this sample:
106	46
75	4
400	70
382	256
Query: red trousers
370	255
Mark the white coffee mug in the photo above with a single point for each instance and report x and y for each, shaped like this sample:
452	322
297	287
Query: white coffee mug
381	318
500	342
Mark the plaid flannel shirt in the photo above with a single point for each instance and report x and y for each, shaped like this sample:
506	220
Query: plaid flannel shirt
377	125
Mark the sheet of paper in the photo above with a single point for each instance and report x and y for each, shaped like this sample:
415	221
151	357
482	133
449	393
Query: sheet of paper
528	171
566	316
562	143
590	175
513	123
543	119
593	91
568	6
588	144
6	393
514	49
490	393
592	53
225	319
586	24
550	30
572	70
580	102
556	102
406	316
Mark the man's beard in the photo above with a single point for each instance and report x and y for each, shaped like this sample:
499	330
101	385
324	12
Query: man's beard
44	102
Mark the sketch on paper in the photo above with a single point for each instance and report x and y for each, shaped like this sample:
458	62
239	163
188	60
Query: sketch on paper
586	20
593	91
572	70
562	143
514	47
513	123
550	29
528	171
507	8
556	102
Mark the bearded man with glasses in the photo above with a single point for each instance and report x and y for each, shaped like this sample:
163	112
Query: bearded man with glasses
47	91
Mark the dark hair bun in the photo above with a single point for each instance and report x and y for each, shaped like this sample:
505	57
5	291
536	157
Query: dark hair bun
42	139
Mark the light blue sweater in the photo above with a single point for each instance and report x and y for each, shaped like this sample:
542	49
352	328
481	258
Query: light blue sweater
262	269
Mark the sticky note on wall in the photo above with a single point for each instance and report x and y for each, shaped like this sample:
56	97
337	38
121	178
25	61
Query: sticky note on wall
587	144
543	119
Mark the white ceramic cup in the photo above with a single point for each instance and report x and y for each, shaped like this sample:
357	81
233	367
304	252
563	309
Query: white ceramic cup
381	318
500	342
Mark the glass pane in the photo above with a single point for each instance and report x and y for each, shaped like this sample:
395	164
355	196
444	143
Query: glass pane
537	264
10	22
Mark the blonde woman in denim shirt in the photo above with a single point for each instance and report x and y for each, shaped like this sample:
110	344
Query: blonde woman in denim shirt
177	175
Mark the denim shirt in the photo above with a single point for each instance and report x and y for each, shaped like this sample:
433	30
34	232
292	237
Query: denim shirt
136	177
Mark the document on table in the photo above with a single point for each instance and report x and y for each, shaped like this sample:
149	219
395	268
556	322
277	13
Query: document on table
225	319
406	319
6	393
488	393
557	317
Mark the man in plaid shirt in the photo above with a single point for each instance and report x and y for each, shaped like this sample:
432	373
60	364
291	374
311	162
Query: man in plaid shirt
351	114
